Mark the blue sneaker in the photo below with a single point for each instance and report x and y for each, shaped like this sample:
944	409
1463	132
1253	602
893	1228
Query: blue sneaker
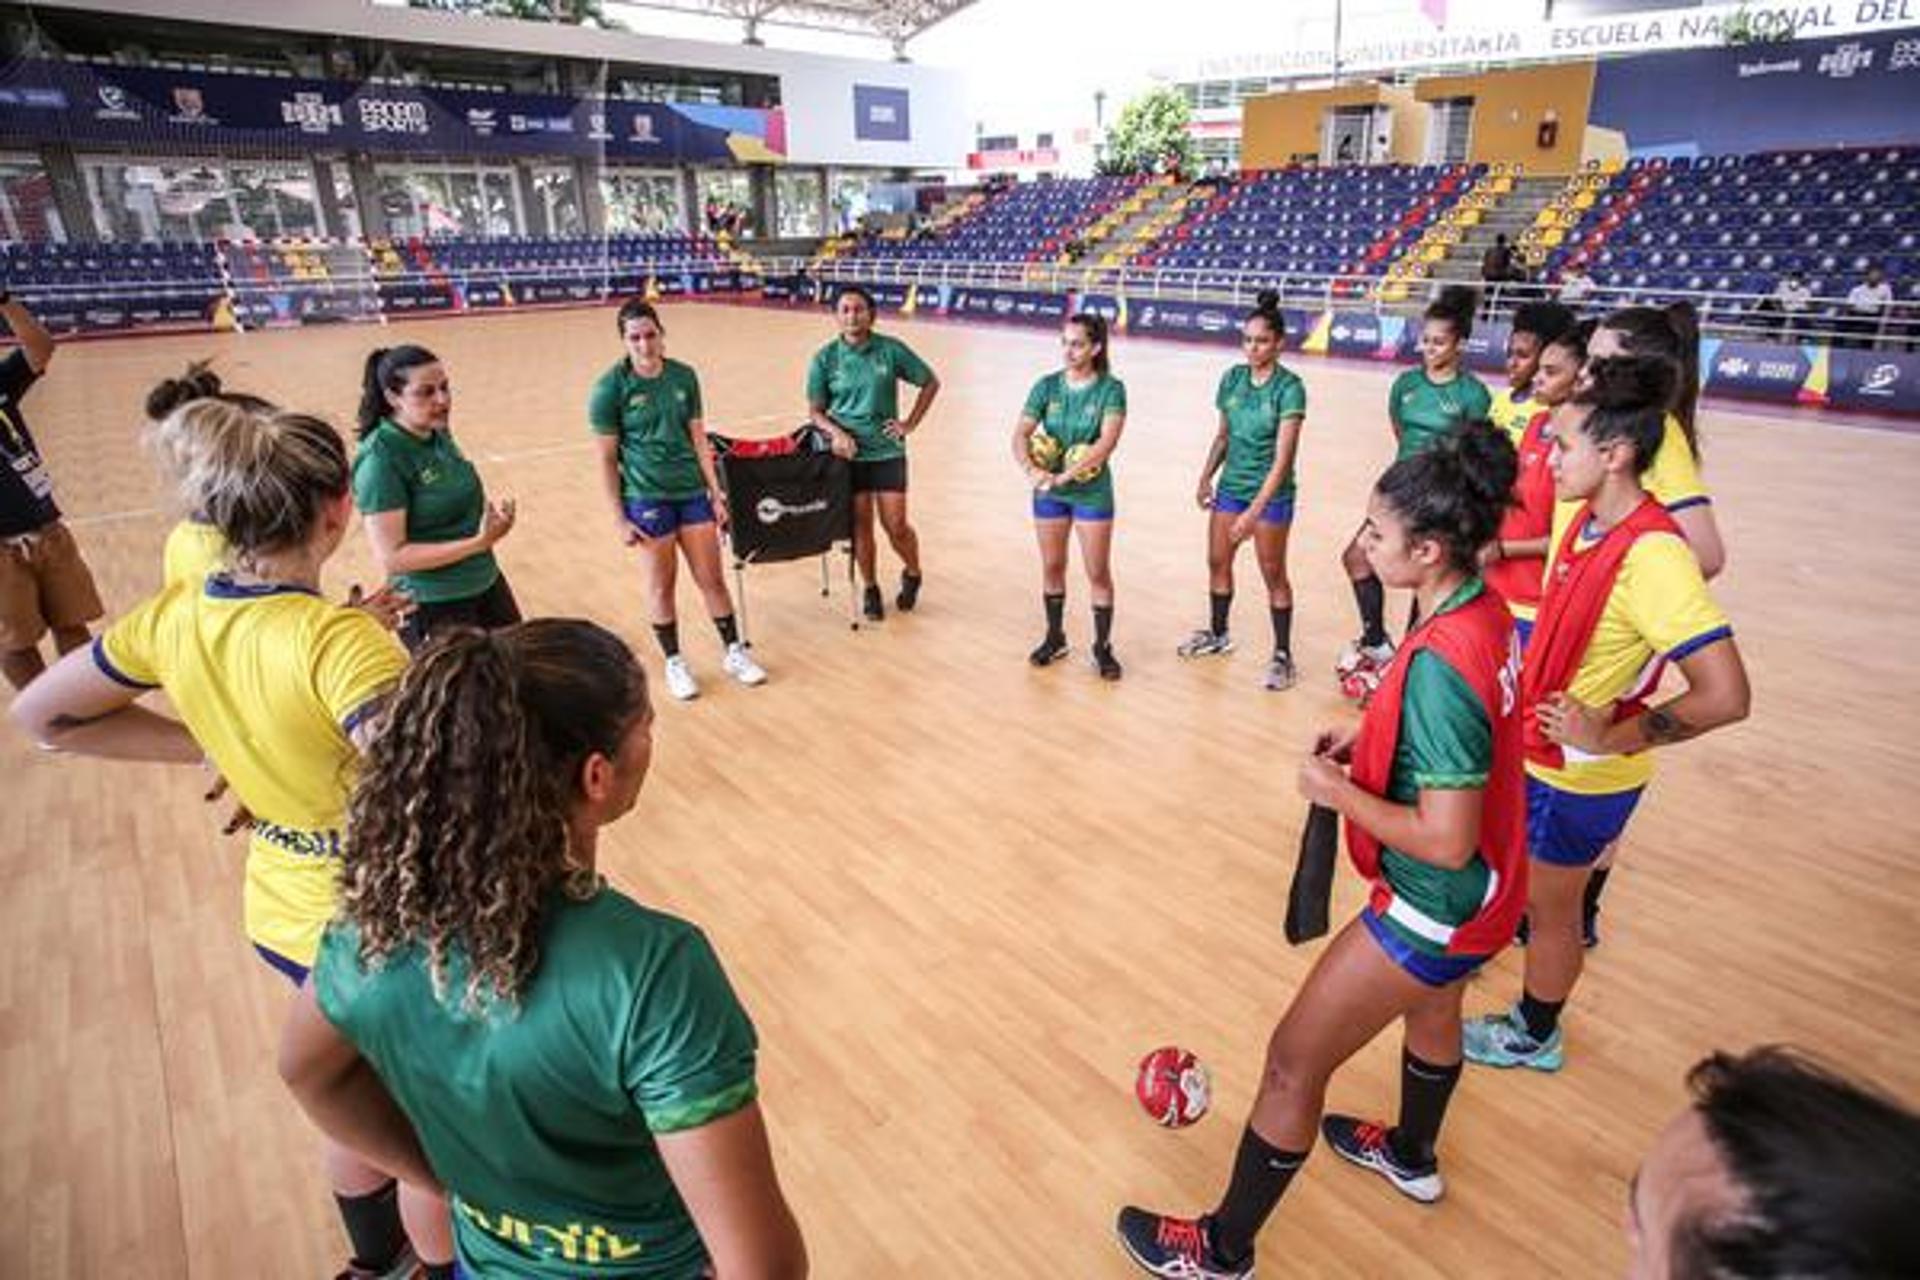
1501	1040
1370	1146
1176	1248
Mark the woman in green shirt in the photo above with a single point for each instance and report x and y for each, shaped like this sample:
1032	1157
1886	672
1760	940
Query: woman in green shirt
658	470
1068	429
1261	405
853	394
489	1015
429	520
1424	404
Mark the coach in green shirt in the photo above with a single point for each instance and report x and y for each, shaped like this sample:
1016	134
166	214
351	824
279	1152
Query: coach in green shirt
429	520
853	396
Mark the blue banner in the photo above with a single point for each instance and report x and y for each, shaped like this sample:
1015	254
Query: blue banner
881	114
1007	304
58	101
1879	381
1858	91
1761	370
1174	317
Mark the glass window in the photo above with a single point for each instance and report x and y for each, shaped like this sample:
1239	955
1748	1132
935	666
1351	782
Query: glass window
641	202
27	211
726	202
796	199
559	196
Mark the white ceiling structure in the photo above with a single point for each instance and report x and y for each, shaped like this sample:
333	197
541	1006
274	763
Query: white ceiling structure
895	21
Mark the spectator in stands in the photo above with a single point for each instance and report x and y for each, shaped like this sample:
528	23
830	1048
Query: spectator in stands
1496	265
1867	306
45	585
1576	286
1779	1168
1783	308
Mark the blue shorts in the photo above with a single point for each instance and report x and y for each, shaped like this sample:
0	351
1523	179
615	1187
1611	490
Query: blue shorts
1277	511
1048	507
660	517
1523	627
292	970
1435	971
1567	829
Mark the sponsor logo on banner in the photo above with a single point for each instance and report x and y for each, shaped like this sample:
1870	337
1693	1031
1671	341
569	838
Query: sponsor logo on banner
1147	316
1847	59
771	510
311	113
597	126
46	99
1881	380
190	106
482	120
113	104
1906	55
1211	321
393	115
1785	66
1003	304
1734	367
643	129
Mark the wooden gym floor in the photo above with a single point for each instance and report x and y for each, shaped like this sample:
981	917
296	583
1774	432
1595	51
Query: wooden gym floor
962	897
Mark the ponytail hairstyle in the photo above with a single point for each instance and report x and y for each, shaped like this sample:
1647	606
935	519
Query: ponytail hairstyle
457	829
1546	321
386	371
1672	331
168	435
1266	307
1573	339
1455	307
1457	491
1629	396
1095	327
637	309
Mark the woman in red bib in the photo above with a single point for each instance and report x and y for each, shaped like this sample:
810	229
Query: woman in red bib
1624	598
1431	789
1515	562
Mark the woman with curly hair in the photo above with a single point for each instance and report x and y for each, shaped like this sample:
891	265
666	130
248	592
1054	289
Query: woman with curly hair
575	1067
275	687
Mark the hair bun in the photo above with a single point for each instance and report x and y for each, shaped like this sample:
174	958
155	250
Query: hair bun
1267	300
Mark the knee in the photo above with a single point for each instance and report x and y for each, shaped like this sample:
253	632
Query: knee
1285	1077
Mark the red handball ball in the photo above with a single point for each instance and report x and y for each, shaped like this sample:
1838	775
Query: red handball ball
1173	1087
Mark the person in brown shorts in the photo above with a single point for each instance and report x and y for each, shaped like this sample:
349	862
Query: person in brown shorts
44	584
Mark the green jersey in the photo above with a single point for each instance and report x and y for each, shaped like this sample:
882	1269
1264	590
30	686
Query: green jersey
859	387
653	418
432	481
1446	743
1254	413
541	1118
1073	416
1424	410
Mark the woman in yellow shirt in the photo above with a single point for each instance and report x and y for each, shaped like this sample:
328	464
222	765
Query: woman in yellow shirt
273	686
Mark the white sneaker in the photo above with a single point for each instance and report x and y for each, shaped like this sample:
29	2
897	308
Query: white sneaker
680	681
1357	655
740	665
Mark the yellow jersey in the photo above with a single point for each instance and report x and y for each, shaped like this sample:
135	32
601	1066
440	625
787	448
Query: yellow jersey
271	681
194	550
1512	416
1659	611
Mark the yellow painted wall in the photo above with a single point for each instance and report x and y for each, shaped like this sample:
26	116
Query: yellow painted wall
1507	109
1410	120
1280	128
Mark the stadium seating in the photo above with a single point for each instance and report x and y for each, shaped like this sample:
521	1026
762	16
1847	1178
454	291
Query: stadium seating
1028	223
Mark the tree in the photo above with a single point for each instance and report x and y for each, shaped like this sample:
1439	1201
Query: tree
585	13
1151	135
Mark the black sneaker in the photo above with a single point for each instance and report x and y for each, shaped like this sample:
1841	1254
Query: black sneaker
909	592
1109	665
1368	1145
876	610
1177	1248
1049	651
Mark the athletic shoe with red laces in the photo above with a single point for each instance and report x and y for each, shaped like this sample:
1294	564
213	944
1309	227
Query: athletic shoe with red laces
1176	1248
1367	1145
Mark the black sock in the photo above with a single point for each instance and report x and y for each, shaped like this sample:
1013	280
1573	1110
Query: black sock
1102	625
1372	599
668	634
1596	885
1261	1173
1282	628
1219	605
729	630
374	1231
1541	1016
1056	615
1424	1092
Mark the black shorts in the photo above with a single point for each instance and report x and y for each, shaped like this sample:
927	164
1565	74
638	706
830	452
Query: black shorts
885	475
494	607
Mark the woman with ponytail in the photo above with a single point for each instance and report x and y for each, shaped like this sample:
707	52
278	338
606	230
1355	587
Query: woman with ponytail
194	547
1424	405
1261	406
1430	786
274	688
574	1066
1067	431
431	526
1624	598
